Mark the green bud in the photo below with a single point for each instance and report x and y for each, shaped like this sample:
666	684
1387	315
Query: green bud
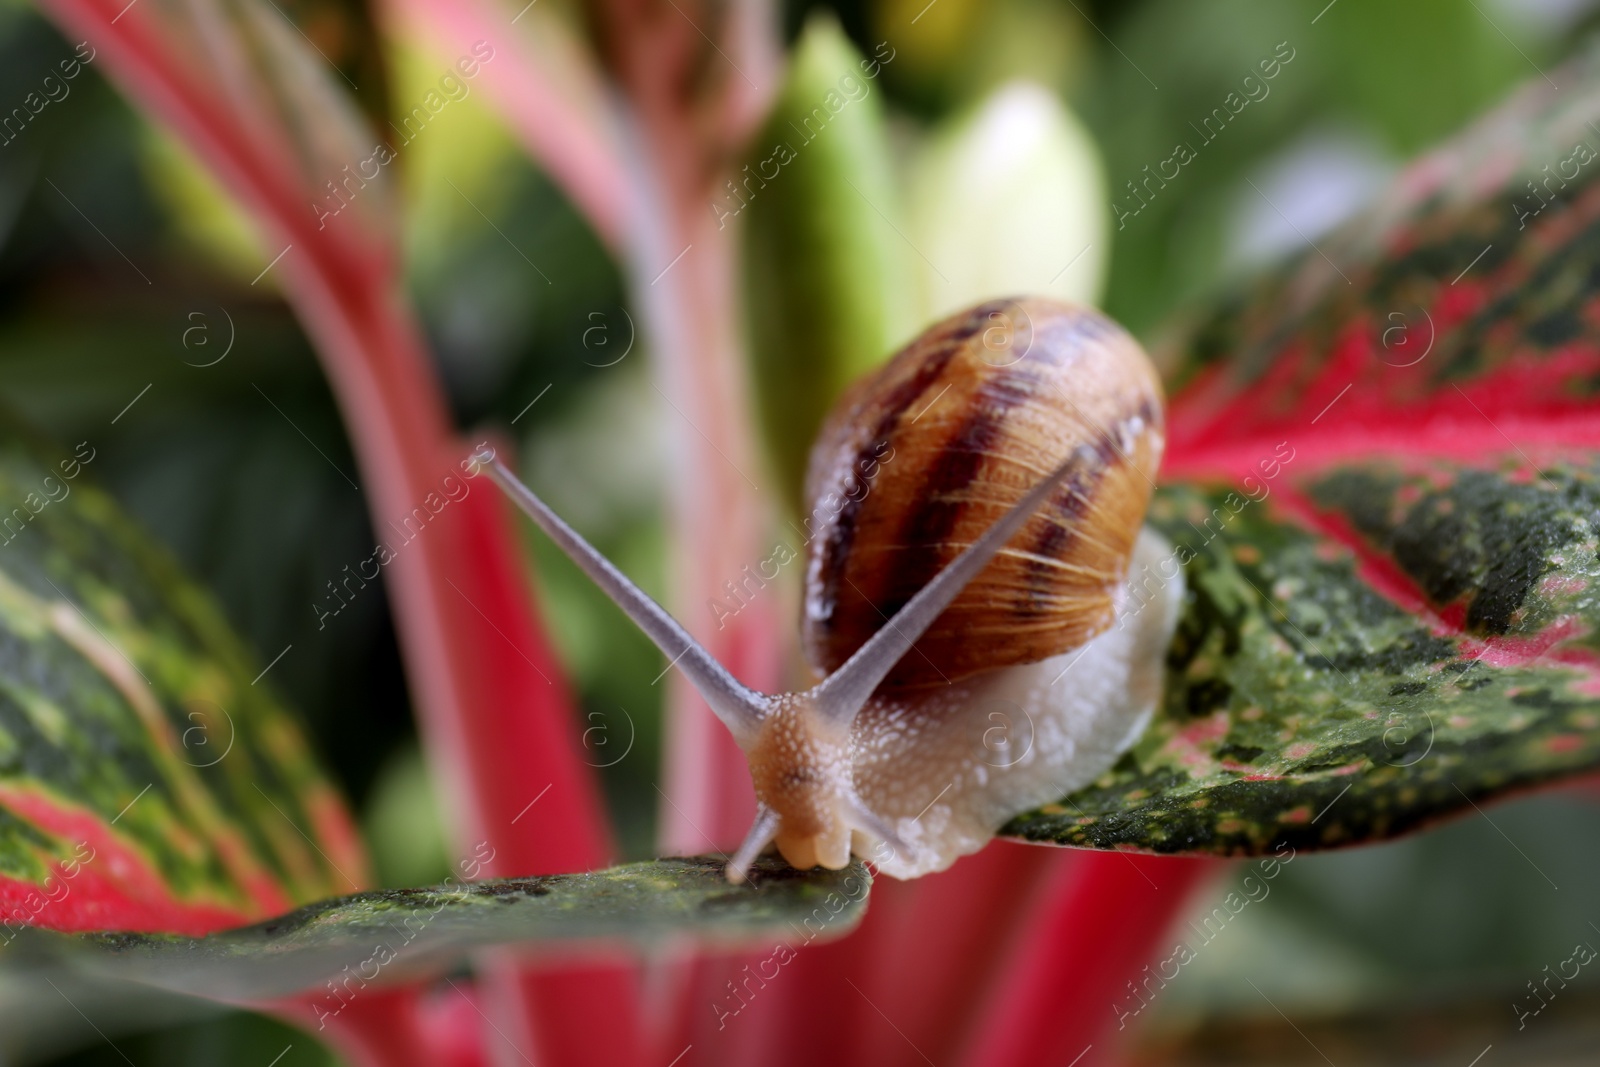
1008	200
827	289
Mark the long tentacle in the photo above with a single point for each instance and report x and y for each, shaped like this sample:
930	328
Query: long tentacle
738	706
841	696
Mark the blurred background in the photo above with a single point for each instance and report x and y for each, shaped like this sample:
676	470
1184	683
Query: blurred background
122	267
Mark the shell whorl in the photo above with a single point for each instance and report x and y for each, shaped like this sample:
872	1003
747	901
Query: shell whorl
920	457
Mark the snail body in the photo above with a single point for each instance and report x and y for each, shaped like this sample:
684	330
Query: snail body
968	604
1025	687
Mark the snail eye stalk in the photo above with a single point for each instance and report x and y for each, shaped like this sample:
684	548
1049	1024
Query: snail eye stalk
841	696
739	707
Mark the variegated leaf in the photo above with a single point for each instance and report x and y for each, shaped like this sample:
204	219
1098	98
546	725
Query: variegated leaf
149	780
1381	483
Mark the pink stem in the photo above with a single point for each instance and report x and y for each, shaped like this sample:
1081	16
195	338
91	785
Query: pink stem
716	518
561	116
682	271
1097	926
688	109
931	987
681	275
377	1028
399	1026
642	174
498	723
715	508
907	982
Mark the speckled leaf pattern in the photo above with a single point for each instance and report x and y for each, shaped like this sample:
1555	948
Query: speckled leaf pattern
146	781
347	943
1382	489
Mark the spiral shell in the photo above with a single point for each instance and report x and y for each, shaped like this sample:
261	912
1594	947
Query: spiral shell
919	458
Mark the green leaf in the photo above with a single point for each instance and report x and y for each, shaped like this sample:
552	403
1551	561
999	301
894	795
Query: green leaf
1381	488
1302	707
827	287
387	935
148	778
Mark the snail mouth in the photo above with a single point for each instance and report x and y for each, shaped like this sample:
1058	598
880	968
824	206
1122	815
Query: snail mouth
809	842
829	849
804	838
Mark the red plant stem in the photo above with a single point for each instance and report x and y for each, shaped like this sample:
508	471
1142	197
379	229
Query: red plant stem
930	987
777	1021
689	107
906	981
377	1028
681	275
715	513
1094	931
398	1026
498	726
682	272
643	177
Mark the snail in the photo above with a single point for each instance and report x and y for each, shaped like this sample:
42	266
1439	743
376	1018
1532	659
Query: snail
969	604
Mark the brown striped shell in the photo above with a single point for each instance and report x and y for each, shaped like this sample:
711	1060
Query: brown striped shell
917	459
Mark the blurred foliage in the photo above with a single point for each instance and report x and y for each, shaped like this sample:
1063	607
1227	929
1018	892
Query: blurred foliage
232	1039
1402	74
111	244
238	1037
1396	76
827	274
1474	909
403	823
1005	198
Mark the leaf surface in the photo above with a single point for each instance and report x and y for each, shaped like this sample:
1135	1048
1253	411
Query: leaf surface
388	935
1381	488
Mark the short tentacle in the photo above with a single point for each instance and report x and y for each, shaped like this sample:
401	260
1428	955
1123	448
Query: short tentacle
762	831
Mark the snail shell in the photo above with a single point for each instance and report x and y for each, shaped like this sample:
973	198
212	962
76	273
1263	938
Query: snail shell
919	458
986	611
1047	666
